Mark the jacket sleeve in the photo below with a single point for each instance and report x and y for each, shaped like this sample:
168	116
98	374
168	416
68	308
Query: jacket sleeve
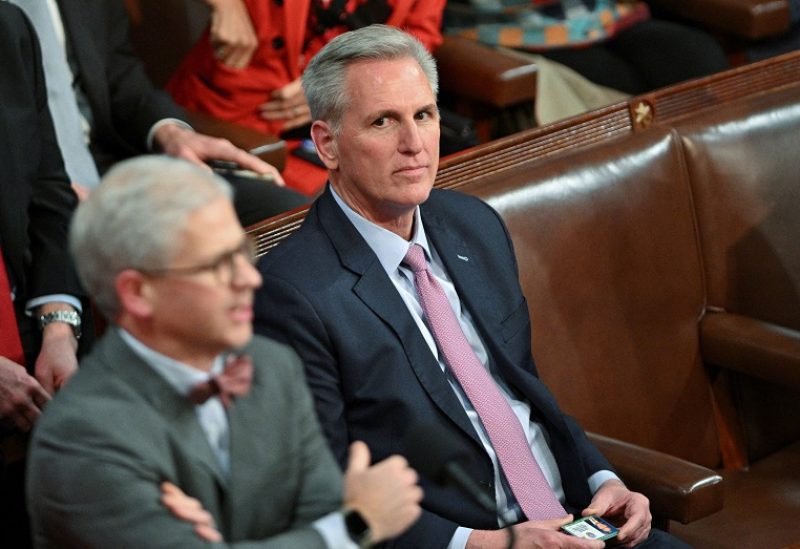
52	200
420	18
135	104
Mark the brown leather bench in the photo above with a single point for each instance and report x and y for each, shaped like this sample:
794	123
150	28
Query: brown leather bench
661	271
663	281
751	19
744	167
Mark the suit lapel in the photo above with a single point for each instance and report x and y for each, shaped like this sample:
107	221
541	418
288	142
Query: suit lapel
472	280
178	412
378	293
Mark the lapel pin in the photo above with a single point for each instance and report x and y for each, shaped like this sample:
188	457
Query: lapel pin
462	257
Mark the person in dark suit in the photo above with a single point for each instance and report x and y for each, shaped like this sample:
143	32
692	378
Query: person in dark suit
36	203
126	115
178	397
342	291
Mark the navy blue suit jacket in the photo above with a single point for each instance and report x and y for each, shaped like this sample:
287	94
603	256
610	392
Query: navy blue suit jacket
369	368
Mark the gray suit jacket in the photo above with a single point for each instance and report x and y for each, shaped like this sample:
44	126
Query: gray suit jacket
117	430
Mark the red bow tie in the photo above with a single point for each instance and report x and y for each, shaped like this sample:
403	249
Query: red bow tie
234	381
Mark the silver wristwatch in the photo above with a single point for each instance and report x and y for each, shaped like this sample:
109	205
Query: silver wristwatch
67	317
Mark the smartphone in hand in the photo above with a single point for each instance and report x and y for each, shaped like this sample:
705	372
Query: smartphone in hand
591	527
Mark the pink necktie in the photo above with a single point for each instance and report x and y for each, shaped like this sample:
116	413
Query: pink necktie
10	345
524	475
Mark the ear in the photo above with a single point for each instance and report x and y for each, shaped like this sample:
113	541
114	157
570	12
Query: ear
325	142
134	293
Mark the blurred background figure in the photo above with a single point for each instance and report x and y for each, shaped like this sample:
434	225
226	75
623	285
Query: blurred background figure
40	298
615	44
105	109
246	67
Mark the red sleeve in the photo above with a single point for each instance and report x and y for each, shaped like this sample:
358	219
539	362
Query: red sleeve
421	18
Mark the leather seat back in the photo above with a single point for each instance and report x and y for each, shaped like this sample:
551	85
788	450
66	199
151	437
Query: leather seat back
744	164
609	261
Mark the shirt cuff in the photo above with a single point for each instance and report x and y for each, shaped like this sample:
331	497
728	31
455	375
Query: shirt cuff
333	530
460	537
597	479
163	122
62	298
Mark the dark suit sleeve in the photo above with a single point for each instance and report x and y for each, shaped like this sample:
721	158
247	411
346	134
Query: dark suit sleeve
52	200
135	105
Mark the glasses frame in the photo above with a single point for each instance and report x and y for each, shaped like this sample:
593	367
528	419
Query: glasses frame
224	266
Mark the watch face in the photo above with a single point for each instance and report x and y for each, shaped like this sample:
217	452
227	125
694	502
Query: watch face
67	317
356	526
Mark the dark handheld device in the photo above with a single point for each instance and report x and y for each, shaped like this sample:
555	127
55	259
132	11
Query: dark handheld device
308	152
230	169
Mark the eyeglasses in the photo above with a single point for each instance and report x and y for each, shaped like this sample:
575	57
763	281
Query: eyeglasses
225	267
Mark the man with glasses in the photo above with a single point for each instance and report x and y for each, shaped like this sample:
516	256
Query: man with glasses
181	427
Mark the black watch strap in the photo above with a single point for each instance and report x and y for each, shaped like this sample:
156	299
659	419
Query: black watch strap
357	528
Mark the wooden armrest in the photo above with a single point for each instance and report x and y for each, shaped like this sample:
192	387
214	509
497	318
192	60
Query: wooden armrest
243	137
482	73
751	346
752	19
677	489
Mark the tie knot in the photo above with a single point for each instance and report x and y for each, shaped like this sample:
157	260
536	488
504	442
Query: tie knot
234	381
415	258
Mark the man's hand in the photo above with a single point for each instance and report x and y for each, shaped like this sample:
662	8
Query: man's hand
21	396
190	510
180	142
631	510
385	494
58	358
232	35
534	534
81	191
288	103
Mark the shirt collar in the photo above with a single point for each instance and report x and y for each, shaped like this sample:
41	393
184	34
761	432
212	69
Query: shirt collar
388	246
180	376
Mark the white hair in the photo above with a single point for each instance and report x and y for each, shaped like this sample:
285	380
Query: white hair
134	220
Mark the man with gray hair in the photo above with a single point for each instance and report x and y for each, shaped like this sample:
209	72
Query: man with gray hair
405	305
181	428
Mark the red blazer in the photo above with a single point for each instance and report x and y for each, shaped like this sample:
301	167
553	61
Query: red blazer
202	83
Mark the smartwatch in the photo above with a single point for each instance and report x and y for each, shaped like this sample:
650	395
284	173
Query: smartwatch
357	528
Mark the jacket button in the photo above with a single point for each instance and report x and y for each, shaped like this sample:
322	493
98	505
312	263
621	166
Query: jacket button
277	42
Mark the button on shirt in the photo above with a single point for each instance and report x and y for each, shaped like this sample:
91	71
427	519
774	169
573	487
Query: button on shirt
390	250
214	421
